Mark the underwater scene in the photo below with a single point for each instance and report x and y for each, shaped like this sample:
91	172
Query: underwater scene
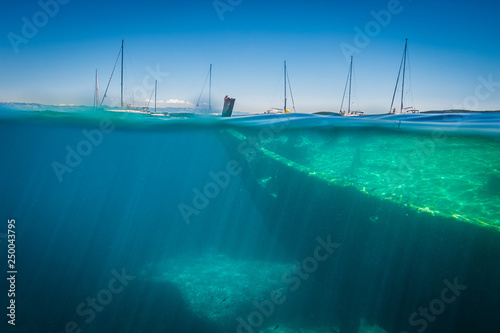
254	224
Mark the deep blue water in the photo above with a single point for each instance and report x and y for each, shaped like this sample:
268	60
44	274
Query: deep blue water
105	203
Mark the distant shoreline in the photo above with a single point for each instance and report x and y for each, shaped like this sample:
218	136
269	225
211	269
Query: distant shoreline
329	113
45	107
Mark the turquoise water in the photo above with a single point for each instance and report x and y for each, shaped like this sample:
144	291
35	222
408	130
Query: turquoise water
301	223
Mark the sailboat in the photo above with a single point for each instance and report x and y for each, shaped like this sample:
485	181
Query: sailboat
154	113
209	78
123	107
349	112
284	110
402	68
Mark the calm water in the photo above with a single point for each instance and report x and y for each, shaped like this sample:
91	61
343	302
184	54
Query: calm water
302	223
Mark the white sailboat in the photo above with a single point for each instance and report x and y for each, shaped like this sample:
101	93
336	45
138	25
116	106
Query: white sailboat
349	112
128	107
284	110
402	69
154	113
209	79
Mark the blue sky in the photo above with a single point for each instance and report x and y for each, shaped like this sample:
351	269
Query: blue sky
454	50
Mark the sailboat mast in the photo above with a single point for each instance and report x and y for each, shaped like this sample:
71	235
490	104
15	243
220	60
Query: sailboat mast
350	85
97	98
404	70
156	89
121	96
95	91
210	91
97	87
284	107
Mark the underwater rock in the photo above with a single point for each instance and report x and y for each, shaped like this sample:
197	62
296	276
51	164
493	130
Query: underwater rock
219	288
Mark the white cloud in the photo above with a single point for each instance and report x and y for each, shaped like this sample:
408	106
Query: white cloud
179	101
173	102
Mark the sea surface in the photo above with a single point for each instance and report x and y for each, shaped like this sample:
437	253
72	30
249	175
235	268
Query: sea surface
268	223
